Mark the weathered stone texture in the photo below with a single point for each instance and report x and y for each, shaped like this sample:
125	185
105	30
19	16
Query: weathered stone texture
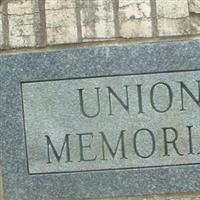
195	23
135	18
97	19
72	21
59	4
1	31
61	21
173	17
173	27
1	26
194	7
21	20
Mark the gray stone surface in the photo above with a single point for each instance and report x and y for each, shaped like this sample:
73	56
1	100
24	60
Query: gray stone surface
86	62
78	125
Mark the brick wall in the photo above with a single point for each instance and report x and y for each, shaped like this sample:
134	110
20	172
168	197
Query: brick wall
41	23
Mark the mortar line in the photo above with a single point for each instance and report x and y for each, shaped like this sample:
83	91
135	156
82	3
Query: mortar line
40	23
5	24
154	19
78	20
115	42
116	17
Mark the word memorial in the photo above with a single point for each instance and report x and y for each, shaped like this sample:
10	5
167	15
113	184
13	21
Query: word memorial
114	122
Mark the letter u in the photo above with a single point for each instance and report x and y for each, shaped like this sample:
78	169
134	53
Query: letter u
82	104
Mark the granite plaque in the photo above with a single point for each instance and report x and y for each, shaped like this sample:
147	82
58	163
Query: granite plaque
115	122
101	121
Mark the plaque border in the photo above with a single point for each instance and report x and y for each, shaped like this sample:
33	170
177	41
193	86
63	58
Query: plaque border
90	77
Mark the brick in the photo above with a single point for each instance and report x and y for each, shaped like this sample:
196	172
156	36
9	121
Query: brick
135	18
59	4
97	19
1	31
172	8
194	6
20	7
195	23
172	27
21	24
1	26
21	31
61	22
173	17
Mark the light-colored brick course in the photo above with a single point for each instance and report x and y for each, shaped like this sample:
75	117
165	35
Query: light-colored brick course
1	31
61	21
135	18
173	17
21	23
21	32
61	26
172	9
29	23
174	27
97	19
194	6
